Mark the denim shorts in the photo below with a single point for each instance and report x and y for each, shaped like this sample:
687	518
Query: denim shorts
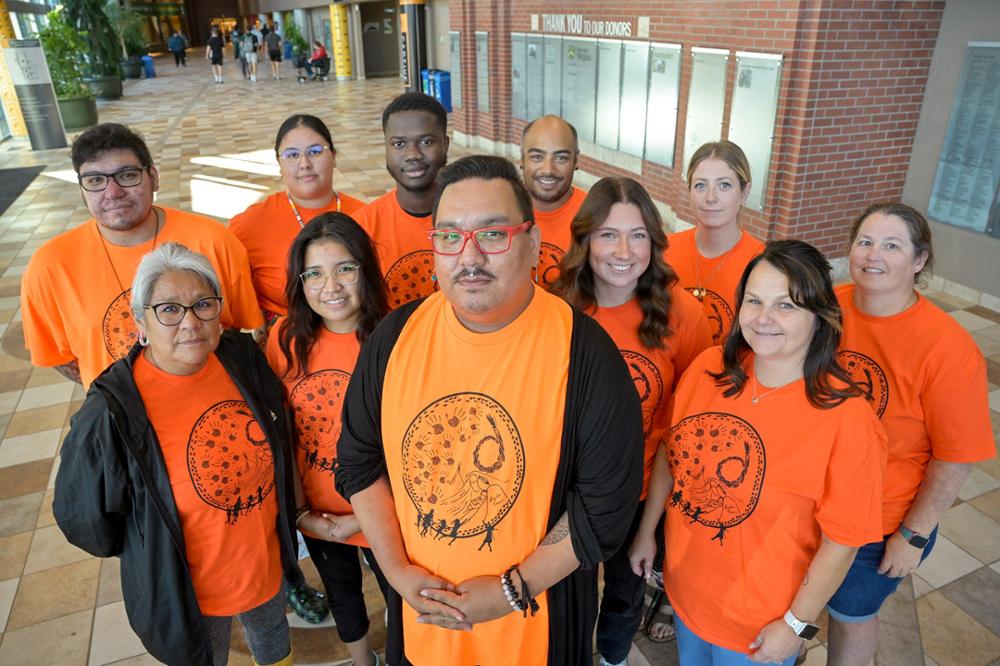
696	651
864	589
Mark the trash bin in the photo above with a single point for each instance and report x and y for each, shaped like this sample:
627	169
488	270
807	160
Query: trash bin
147	65
288	49
442	88
425	82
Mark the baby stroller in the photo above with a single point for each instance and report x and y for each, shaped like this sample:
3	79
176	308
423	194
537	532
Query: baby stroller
321	69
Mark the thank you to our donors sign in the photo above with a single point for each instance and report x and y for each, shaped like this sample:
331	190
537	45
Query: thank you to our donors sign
30	75
579	24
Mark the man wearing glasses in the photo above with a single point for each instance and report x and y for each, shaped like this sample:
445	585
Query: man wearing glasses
491	443
75	290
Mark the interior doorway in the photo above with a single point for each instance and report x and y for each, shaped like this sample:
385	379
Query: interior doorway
380	38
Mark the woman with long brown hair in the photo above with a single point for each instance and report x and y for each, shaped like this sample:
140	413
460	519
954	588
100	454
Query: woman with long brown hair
614	271
774	475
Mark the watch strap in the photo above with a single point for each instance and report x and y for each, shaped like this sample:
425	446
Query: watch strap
802	629
912	538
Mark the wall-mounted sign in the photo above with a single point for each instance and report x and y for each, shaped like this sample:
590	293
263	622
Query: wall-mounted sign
661	109
635	86
579	80
518	76
706	99
535	86
483	71
751	118
578	24
552	92
455	51
967	182
609	88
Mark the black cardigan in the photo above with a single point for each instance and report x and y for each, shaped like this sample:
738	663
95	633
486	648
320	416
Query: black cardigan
598	482
113	497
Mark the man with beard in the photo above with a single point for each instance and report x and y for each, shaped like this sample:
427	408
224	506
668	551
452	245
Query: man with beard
549	150
76	289
416	147
491	443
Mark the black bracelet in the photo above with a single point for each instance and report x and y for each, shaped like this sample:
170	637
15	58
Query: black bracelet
528	600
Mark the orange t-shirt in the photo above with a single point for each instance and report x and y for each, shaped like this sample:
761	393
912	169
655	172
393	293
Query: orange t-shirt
403	248
267	230
657	371
75	304
221	474
928	383
756	486
472	450
712	281
317	400
556	236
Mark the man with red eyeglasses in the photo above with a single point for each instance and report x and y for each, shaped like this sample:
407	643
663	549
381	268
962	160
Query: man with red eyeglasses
491	442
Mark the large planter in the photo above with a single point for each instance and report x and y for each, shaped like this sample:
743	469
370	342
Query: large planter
78	113
104	87
131	69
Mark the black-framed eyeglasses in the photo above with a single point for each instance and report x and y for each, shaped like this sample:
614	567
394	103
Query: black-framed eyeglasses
488	240
294	154
98	182
172	314
345	274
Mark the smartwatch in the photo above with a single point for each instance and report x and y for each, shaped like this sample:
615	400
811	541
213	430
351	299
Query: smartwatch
912	538
803	630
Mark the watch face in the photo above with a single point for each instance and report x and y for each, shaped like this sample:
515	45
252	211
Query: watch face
809	631
918	541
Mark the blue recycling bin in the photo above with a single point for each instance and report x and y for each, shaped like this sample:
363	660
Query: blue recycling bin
441	81
425	82
147	65
288	49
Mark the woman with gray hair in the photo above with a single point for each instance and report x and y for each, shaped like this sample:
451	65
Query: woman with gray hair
177	464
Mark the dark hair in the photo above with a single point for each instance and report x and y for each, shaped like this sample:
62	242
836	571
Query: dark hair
728	152
916	225
416	101
811	288
484	167
302	326
576	277
105	137
304	120
527	128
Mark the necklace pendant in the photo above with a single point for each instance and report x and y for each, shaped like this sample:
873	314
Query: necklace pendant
698	293
754	399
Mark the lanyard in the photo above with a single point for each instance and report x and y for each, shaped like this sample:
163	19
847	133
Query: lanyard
298	216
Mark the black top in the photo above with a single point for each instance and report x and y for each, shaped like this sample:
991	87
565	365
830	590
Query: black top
598	481
215	43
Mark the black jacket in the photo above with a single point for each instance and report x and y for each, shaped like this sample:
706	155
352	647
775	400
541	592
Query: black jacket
113	497
598	481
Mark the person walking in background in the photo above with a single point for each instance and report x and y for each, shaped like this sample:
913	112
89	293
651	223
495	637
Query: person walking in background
249	43
213	52
177	44
272	41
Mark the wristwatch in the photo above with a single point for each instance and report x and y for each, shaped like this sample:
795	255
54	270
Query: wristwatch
912	538
802	629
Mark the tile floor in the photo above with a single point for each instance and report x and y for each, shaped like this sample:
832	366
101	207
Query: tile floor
213	144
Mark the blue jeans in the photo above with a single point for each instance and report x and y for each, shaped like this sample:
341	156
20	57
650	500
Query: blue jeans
695	651
864	589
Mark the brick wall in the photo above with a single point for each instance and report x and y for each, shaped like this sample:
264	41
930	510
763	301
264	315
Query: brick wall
853	78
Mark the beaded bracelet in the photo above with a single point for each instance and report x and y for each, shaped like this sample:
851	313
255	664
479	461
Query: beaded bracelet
510	591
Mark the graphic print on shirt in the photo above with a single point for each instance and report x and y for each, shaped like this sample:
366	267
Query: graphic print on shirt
317	401
549	256
410	278
648	384
869	376
717	461
463	466
229	459
717	311
119	328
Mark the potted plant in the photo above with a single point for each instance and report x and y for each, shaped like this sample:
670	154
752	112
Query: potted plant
63	46
294	37
101	46
129	26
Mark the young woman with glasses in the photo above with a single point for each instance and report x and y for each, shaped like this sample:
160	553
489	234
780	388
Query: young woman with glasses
335	296
306	157
177	463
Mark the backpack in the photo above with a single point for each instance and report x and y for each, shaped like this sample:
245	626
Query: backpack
248	43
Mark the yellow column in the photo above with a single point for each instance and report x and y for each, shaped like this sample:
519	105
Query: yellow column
7	95
341	42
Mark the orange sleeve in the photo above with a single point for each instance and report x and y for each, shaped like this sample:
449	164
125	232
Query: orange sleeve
272	351
693	334
956	404
850	509
350	205
44	330
239	287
